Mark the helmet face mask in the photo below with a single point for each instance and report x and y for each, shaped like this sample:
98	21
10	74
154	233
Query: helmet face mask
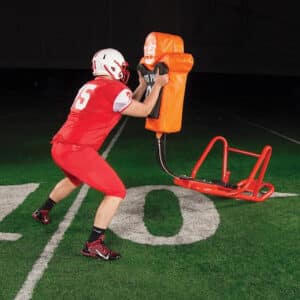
110	62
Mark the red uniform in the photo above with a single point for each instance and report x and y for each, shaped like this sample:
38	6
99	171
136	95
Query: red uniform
94	113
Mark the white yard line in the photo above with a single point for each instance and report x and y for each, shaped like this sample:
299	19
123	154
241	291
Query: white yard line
41	264
9	236
282	195
269	130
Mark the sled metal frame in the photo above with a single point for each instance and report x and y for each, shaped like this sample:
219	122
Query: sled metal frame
252	188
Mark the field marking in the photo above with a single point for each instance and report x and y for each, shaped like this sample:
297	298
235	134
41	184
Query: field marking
280	195
12	237
200	218
268	130
42	262
12	197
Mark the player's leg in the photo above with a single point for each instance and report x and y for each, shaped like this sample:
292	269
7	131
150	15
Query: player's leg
106	210
103	178
61	190
86	165
95	246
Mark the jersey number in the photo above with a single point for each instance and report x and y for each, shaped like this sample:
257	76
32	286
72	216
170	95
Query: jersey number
83	96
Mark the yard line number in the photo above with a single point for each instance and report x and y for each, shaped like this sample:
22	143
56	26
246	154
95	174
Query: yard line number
200	217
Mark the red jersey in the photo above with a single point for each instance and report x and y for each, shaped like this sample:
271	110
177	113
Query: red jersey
94	113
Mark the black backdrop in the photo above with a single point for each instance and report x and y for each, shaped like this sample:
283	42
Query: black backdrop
224	36
245	51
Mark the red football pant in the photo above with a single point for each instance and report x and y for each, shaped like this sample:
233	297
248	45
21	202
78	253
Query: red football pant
83	164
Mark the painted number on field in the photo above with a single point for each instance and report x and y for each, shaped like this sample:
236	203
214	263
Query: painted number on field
11	197
200	217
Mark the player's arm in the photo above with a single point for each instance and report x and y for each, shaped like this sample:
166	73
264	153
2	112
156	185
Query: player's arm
141	88
143	109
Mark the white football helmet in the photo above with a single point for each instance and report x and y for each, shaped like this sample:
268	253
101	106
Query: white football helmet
110	62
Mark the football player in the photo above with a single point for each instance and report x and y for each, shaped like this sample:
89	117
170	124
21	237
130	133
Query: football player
96	110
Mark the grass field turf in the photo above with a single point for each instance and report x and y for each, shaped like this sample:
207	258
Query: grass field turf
254	253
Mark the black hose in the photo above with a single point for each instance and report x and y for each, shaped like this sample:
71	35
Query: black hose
161	148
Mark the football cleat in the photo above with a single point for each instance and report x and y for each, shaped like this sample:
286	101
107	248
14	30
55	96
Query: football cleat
97	249
41	216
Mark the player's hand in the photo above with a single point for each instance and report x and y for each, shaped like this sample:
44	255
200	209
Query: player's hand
142	81
161	80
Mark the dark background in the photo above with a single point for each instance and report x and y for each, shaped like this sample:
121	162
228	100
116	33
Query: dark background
242	48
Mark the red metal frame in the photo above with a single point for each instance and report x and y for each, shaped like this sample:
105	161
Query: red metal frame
251	189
